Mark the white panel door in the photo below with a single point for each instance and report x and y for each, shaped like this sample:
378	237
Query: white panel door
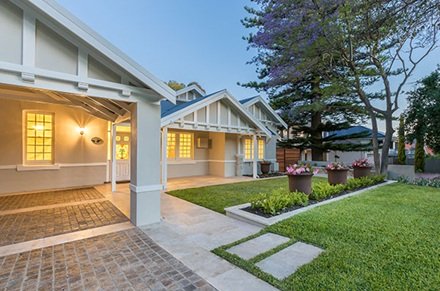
122	170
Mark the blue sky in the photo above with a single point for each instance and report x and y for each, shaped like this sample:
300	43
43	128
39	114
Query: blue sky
192	40
186	40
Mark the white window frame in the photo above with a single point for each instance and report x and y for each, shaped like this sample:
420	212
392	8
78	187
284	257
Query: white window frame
264	148
27	162
251	149
177	147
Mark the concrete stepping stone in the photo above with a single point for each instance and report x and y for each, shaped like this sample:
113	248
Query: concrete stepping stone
258	245
287	261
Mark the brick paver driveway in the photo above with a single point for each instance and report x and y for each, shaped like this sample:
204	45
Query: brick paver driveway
125	260
119	260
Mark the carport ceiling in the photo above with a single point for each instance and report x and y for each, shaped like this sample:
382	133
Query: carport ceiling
111	110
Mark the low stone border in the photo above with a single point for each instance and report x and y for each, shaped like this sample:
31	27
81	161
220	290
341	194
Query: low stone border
239	214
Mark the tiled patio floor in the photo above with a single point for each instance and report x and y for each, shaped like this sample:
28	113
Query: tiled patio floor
26	226
126	260
48	198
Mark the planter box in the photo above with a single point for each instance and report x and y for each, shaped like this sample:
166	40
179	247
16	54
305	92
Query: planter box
300	183
337	176
359	172
239	214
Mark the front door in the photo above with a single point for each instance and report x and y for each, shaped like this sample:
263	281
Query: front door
122	156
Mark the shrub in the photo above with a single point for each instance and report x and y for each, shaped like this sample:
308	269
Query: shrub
323	190
279	199
421	182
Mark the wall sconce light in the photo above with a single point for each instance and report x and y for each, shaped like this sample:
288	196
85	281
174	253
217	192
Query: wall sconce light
81	130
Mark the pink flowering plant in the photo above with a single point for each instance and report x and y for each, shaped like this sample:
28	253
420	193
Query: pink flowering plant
336	166
301	169
361	163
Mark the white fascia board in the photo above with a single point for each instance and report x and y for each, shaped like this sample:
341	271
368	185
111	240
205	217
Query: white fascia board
211	99
189	89
259	99
85	33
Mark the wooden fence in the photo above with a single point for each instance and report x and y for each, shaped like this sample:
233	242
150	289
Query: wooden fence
287	157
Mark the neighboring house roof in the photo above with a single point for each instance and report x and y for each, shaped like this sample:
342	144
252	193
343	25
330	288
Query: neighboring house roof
171	113
90	37
258	99
168	108
358	131
193	87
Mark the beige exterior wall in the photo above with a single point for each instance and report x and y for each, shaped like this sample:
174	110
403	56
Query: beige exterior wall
81	162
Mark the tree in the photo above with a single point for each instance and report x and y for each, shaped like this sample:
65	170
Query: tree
401	156
369	42
423	117
311	103
176	86
419	156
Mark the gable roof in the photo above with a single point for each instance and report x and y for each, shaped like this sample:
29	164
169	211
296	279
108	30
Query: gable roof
67	20
171	113
358	131
168	108
193	87
258	99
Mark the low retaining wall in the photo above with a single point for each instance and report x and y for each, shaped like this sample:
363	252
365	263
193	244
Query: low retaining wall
396	171
239	214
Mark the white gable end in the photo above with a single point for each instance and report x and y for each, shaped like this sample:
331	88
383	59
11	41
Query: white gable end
44	47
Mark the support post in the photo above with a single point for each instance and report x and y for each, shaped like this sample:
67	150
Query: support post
145	184
113	157
164	157
255	161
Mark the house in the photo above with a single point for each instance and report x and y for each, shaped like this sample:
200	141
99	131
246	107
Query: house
76	111
61	85
216	135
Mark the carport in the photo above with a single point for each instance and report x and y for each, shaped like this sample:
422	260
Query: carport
62	90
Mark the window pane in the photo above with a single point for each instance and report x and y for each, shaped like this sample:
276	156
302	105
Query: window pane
185	145
248	149
261	145
39	143
171	146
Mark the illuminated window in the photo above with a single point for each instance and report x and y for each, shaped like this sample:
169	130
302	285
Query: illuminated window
185	145
248	149
122	151
39	138
261	145
171	146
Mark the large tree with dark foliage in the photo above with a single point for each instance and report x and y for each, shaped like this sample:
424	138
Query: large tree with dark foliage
423	112
313	99
362	43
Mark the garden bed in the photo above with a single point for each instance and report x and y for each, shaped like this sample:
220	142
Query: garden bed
245	213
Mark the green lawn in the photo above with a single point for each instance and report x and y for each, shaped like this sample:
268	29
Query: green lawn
217	198
388	238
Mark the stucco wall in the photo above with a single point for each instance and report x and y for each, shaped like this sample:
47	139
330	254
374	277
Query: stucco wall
77	155
197	167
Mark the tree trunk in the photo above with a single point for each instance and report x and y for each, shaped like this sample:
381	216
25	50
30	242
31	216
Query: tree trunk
389	130
375	142
317	151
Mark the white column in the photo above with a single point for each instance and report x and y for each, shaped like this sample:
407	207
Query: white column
113	157
164	157
145	185
255	162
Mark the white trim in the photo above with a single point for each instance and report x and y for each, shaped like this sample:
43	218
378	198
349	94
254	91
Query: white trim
74	165
8	167
224	94
147	188
259	99
74	25
182	162
23	168
189	89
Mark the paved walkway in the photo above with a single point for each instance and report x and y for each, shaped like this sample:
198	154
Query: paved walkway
126	260
189	232
78	240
